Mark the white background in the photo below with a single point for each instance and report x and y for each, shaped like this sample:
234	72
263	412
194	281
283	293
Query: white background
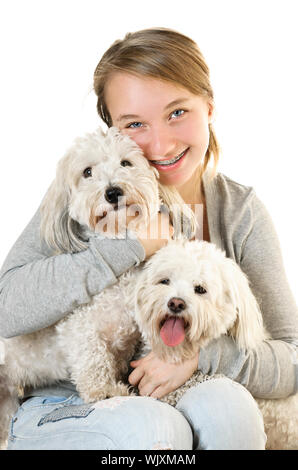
49	50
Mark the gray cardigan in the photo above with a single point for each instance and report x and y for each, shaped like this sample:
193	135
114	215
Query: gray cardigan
38	289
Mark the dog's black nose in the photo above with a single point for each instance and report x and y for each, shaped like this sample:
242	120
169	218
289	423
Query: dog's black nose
113	193
176	305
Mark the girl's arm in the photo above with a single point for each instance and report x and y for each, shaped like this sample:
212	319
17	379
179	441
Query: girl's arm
272	370
37	289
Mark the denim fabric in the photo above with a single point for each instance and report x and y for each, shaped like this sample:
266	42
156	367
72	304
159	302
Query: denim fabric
217	414
223	416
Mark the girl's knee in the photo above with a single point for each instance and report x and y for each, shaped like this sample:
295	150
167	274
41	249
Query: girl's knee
145	423
157	425
223	415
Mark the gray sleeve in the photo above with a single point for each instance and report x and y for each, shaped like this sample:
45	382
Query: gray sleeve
37	289
272	370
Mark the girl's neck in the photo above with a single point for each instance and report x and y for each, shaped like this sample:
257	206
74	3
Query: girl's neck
192	191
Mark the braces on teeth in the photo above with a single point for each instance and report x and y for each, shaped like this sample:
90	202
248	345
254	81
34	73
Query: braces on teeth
169	162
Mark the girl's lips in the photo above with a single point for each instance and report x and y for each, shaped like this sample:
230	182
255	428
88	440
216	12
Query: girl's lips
171	166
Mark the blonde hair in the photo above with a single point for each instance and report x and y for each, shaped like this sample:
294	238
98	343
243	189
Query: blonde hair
158	53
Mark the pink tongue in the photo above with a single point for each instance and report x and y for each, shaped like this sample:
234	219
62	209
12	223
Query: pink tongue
172	332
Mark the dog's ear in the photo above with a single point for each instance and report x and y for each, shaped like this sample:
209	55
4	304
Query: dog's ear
248	329
57	228
139	293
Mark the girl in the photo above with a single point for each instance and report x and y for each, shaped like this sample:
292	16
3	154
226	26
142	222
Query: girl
154	86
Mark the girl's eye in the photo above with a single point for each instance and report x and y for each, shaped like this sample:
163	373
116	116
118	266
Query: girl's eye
200	290
178	113
134	125
87	172
125	163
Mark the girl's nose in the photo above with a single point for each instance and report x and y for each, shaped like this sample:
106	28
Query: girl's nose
159	142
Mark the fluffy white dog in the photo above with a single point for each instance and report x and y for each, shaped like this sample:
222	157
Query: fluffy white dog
195	294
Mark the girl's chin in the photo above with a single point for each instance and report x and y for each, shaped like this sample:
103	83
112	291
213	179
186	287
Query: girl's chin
178	179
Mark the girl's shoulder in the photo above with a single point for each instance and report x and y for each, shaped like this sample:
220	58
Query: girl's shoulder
222	191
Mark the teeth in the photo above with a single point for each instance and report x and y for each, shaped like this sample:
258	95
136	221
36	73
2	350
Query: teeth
169	162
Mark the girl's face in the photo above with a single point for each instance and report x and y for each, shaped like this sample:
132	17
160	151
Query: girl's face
169	123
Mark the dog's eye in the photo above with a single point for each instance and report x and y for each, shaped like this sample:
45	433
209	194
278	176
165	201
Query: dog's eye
126	163
165	281
200	290
87	172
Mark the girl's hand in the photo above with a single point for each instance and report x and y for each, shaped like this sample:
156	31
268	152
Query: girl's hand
156	378
162	232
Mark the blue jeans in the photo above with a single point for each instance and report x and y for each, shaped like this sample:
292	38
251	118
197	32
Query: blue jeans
216	414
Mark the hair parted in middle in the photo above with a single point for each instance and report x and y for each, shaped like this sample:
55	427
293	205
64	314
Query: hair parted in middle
160	53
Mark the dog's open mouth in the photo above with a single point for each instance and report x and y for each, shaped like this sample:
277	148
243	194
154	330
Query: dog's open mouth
172	330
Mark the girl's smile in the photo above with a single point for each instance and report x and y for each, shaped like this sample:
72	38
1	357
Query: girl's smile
169	164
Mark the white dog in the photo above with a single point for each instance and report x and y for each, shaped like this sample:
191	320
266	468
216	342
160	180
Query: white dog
199	294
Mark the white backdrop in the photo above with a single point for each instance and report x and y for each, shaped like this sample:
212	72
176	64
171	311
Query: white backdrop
49	50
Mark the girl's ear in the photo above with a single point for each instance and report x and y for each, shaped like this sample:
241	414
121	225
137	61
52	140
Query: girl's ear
211	112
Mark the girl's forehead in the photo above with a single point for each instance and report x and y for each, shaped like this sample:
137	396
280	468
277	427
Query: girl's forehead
145	83
130	94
